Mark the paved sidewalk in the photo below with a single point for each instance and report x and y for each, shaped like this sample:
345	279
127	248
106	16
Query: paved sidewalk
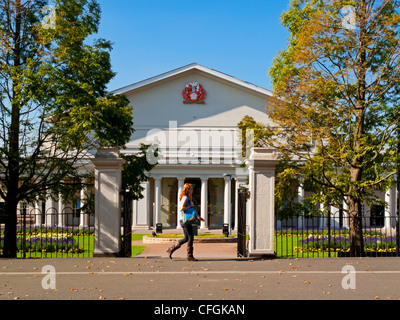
218	275
201	250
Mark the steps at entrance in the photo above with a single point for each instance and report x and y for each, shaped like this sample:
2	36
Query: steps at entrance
151	239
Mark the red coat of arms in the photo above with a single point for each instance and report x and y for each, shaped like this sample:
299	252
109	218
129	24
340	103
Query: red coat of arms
193	93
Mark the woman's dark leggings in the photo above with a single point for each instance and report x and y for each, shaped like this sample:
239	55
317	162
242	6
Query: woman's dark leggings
188	233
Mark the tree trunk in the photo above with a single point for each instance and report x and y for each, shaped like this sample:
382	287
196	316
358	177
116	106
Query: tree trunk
356	170
356	232
10	233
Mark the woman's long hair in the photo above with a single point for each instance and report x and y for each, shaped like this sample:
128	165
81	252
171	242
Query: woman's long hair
185	191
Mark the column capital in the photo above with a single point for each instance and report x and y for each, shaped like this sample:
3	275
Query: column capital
262	158
228	178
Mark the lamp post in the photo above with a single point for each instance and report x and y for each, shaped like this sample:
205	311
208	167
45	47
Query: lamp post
227	205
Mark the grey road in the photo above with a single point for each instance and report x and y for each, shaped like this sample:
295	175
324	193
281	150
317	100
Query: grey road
209	279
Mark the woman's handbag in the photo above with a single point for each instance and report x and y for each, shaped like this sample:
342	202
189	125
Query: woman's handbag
184	221
182	218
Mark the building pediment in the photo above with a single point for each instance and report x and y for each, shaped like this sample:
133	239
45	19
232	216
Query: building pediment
192	113
194	69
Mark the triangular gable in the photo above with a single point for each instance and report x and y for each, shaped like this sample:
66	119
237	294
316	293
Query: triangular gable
193	67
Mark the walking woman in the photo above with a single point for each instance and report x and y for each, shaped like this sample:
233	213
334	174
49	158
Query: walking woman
187	206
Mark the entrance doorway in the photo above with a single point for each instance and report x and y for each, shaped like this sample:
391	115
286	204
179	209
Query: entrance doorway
377	216
169	198
215	196
215	203
196	197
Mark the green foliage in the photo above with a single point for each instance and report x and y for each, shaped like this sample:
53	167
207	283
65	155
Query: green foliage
54	104
135	171
114	121
54	108
337	93
336	111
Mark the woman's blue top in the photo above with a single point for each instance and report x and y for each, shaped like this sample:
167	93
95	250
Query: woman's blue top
190	213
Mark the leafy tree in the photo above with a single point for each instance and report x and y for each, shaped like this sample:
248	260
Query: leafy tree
337	108
135	170
287	177
53	101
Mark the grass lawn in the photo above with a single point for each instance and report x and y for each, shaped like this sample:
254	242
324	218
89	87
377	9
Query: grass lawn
199	236
136	250
284	248
84	242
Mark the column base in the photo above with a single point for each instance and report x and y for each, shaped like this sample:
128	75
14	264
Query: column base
262	255
106	254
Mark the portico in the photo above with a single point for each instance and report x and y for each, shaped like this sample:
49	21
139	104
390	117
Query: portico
214	196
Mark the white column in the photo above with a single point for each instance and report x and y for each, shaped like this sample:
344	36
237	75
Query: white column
82	217
322	219
227	200
204	202
147	204
181	182
300	199
38	213
236	204
141	209
389	211
60	211
346	220
157	201
51	211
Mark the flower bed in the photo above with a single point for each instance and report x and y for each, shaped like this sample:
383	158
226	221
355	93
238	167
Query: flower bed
49	244
53	230
43	239
342	244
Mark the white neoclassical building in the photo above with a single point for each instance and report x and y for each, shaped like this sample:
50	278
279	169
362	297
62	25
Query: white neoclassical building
192	114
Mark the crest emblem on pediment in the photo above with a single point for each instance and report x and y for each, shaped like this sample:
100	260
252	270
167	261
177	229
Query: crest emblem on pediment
193	93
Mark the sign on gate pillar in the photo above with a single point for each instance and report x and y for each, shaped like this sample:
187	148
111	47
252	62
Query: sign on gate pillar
108	166
262	165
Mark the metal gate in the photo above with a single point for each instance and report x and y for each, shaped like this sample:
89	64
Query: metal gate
242	242
313	236
51	234
126	249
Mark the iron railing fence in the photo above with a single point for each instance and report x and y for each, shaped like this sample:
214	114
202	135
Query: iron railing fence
52	234
329	235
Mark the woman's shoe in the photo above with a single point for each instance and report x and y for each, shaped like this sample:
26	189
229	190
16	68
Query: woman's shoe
190	254
172	249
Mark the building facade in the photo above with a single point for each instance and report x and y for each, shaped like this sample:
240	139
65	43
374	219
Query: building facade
191	114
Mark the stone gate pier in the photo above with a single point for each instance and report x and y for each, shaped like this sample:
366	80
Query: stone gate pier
108	180
262	165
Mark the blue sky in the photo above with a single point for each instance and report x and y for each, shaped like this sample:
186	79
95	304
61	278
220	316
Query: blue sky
151	37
